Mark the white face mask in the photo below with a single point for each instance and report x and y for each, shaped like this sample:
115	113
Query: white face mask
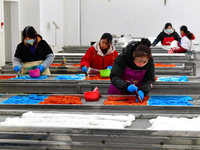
168	30
29	41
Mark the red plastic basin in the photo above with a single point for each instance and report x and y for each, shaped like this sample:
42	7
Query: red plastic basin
34	73
91	96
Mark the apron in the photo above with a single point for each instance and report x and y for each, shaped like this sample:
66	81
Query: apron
167	40
131	77
33	65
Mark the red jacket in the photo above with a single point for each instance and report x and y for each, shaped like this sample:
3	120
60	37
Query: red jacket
94	57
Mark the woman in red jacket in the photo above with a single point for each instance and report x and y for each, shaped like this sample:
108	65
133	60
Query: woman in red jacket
101	55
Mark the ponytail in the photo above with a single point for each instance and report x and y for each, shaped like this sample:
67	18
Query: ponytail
187	33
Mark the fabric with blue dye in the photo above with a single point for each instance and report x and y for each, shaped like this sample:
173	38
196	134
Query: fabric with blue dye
29	78
166	100
173	79
71	77
31	99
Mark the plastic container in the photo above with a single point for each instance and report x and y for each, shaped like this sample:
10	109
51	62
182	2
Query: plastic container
105	73
91	96
34	73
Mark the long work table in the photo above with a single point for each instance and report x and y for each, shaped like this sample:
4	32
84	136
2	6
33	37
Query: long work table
83	49
76	57
184	64
136	136
50	85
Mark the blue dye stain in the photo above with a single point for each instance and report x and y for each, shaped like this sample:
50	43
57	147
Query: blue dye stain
29	78
28	99
71	77
173	79
166	100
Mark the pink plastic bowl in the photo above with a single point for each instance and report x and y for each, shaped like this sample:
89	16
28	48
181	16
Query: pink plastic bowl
91	96
34	73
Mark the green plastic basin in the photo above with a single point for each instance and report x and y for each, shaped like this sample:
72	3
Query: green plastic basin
105	73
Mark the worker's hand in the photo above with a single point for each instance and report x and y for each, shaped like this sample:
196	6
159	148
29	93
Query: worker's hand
109	67
132	88
141	95
84	69
17	68
41	68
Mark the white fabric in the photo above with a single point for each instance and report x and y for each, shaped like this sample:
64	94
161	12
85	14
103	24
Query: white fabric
174	44
167	123
71	120
187	43
111	49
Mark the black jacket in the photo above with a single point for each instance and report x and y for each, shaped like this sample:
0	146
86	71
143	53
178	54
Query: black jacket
41	51
162	35
125	59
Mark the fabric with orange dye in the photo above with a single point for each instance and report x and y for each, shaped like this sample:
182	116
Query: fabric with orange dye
164	65
73	65
97	77
6	77
62	99
111	100
55	65
76	65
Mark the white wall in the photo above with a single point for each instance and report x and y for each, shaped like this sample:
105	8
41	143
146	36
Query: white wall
71	22
7	31
52	10
136	17
29	13
15	38
2	45
11	29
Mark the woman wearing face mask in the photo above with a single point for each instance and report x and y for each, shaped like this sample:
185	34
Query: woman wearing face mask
133	70
101	55
33	52
167	35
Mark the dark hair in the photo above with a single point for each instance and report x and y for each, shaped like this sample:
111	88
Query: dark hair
108	37
187	33
167	25
29	31
145	41
143	49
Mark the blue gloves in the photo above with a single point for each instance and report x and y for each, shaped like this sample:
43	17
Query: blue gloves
141	94
109	67
132	88
84	69
41	68
17	68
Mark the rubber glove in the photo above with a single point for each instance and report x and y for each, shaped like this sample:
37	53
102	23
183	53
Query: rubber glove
132	88
141	94
17	68
41	68
109	67
84	69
